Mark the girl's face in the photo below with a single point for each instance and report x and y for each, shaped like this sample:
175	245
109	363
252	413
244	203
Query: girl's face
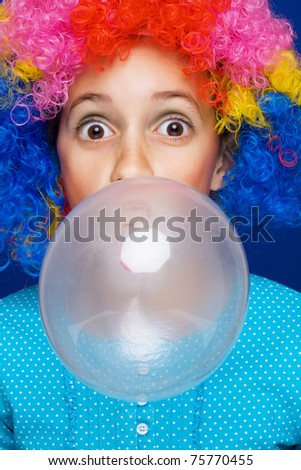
139	117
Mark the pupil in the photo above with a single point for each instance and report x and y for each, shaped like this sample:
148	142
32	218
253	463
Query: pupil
95	132
175	129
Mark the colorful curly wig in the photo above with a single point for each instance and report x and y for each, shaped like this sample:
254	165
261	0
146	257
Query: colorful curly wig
254	83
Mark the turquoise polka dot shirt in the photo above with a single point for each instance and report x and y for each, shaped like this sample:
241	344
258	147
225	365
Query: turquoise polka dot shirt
253	401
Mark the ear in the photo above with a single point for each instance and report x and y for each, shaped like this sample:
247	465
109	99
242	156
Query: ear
224	162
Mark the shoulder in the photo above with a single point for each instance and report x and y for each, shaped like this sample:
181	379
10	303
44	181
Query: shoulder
21	306
24	296
270	296
273	318
259	282
20	319
269	343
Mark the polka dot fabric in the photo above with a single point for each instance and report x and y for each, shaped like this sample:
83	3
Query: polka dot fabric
251	402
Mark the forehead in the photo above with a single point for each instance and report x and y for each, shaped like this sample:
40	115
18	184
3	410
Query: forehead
146	69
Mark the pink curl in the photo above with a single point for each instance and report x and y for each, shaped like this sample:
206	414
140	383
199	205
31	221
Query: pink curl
247	38
293	158
232	38
288	158
23	122
275	143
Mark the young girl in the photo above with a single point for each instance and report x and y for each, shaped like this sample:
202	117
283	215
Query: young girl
207	92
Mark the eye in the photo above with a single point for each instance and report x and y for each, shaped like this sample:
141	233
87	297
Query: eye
94	130
174	128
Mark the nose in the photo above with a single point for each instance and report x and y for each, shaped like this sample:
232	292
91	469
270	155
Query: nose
132	161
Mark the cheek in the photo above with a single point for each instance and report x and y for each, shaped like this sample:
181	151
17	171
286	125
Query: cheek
74	187
199	166
198	180
68	167
201	176
76	181
82	175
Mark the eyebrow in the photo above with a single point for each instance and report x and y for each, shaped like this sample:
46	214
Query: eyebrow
157	96
94	97
171	94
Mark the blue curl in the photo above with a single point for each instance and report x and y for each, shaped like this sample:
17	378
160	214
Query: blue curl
260	175
29	174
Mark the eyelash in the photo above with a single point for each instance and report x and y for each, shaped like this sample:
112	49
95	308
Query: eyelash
88	122
176	118
167	118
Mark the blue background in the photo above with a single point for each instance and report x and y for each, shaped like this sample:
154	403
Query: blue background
279	261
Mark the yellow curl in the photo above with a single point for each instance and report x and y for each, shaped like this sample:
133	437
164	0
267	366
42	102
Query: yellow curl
27	72
241	106
21	77
55	214
56	217
4	14
285	76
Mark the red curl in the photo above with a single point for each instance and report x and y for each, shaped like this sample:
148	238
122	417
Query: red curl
102	28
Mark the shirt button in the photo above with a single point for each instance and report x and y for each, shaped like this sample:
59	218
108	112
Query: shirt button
142	399
143	369
142	429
